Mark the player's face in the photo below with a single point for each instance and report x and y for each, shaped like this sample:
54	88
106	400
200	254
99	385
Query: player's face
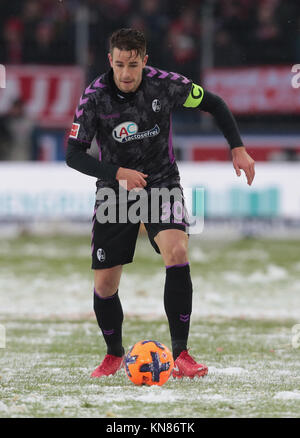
128	69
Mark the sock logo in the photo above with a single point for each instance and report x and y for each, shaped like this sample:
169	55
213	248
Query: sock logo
108	332
184	318
101	256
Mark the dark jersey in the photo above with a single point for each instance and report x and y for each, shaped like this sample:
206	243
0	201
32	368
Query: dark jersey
133	130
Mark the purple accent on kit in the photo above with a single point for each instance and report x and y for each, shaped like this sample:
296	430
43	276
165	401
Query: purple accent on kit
106	298
83	100
109	116
109	332
98	83
83	141
78	112
171	151
152	72
180	265
89	90
178	223
99	147
93	224
163	75
186	80
175	76
184	318
92	243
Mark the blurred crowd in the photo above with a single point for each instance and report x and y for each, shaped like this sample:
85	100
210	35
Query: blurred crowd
246	32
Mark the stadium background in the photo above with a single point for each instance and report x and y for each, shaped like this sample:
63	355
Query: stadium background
245	264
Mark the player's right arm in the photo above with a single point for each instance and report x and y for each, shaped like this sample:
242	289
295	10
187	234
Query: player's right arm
82	133
80	139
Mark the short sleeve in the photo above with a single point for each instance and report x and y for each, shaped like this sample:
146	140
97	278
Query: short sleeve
179	89
85	121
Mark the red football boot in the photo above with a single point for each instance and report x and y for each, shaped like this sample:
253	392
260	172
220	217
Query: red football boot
110	365
186	366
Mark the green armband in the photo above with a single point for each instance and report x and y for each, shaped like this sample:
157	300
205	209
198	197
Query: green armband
195	97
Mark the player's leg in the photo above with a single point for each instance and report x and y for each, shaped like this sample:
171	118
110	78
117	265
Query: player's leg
108	308
173	246
178	291
113	245
109	315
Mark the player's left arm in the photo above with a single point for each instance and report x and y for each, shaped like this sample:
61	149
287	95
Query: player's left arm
215	105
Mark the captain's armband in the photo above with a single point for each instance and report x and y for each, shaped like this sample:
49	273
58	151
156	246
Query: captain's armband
195	97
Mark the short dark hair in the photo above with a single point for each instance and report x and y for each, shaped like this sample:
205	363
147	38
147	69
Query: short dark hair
128	39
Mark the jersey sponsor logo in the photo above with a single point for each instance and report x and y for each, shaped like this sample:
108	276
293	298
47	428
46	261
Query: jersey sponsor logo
74	130
156	105
101	256
128	131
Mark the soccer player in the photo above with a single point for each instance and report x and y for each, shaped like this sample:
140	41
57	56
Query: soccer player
128	109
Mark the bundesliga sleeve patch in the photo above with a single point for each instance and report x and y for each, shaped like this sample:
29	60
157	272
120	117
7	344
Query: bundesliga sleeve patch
74	130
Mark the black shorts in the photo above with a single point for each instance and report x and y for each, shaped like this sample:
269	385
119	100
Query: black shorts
114	241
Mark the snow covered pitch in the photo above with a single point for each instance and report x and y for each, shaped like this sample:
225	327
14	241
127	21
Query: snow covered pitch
246	303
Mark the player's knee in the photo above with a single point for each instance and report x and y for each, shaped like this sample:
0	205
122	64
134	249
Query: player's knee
179	253
104	289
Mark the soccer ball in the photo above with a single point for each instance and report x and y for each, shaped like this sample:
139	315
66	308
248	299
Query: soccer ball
149	363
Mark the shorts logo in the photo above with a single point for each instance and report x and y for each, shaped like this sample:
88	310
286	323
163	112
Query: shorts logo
74	130
156	105
101	255
128	131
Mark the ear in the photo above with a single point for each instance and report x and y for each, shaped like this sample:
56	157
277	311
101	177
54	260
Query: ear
145	60
110	59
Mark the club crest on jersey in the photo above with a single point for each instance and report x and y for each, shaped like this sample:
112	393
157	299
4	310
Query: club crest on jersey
128	131
156	105
101	255
74	130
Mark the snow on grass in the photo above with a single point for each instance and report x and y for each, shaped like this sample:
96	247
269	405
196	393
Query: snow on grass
53	379
45	277
287	395
246	299
228	371
71	294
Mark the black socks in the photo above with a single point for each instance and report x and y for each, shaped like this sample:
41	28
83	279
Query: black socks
178	305
109	316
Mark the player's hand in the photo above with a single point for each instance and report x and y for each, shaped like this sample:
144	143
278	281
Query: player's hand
242	161
131	179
